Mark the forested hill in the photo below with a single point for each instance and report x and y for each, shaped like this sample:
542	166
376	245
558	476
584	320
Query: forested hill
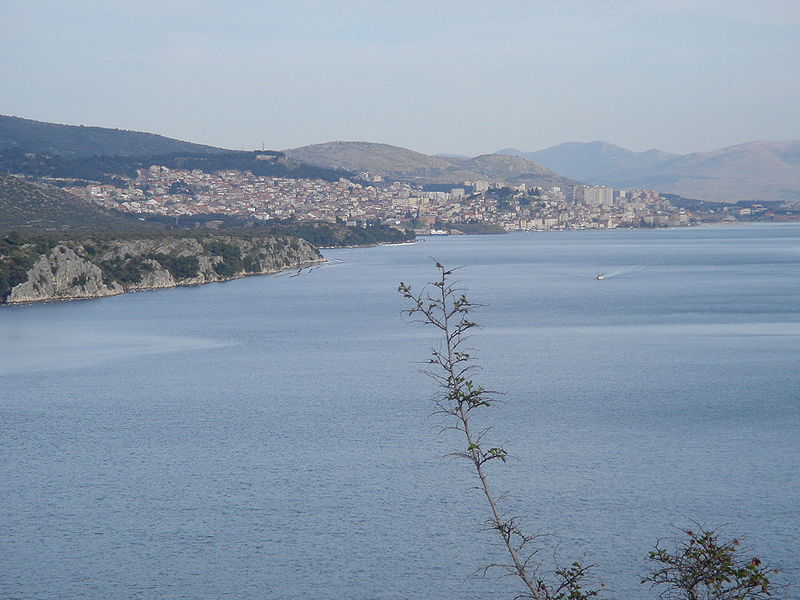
105	169
77	140
35	206
50	150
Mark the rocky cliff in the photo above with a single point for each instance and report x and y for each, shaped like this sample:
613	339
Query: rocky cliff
92	268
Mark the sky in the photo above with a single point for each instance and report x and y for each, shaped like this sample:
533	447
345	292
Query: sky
461	77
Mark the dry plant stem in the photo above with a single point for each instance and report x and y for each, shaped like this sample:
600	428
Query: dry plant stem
448	312
497	520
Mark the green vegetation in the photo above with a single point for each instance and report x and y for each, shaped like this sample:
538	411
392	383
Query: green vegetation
180	267
124	270
181	187
35	206
251	264
17	256
72	140
701	566
231	255
329	235
477	228
322	234
108	169
126	258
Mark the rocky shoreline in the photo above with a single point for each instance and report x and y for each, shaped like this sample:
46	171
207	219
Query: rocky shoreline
93	268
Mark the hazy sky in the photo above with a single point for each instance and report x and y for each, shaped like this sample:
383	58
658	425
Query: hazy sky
460	76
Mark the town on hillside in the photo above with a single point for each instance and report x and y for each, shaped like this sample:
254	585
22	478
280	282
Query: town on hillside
167	192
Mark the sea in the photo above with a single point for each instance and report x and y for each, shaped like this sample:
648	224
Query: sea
274	436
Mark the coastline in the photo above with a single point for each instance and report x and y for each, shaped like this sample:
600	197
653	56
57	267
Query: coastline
411	243
171	282
96	268
302	266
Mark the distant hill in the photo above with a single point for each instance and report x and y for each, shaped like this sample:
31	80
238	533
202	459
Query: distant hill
407	165
512	169
77	140
761	171
756	171
595	161
26	206
382	159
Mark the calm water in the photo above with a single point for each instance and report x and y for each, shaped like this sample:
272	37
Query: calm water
269	437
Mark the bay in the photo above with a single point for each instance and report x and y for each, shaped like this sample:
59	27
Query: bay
270	436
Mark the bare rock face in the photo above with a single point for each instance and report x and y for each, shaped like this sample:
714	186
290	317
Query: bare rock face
96	268
154	276
61	275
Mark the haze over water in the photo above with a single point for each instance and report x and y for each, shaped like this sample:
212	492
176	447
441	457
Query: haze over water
269	437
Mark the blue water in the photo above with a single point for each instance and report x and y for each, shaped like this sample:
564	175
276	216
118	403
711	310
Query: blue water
270	437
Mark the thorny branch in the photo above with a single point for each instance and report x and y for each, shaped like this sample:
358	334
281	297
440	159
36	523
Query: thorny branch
444	306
